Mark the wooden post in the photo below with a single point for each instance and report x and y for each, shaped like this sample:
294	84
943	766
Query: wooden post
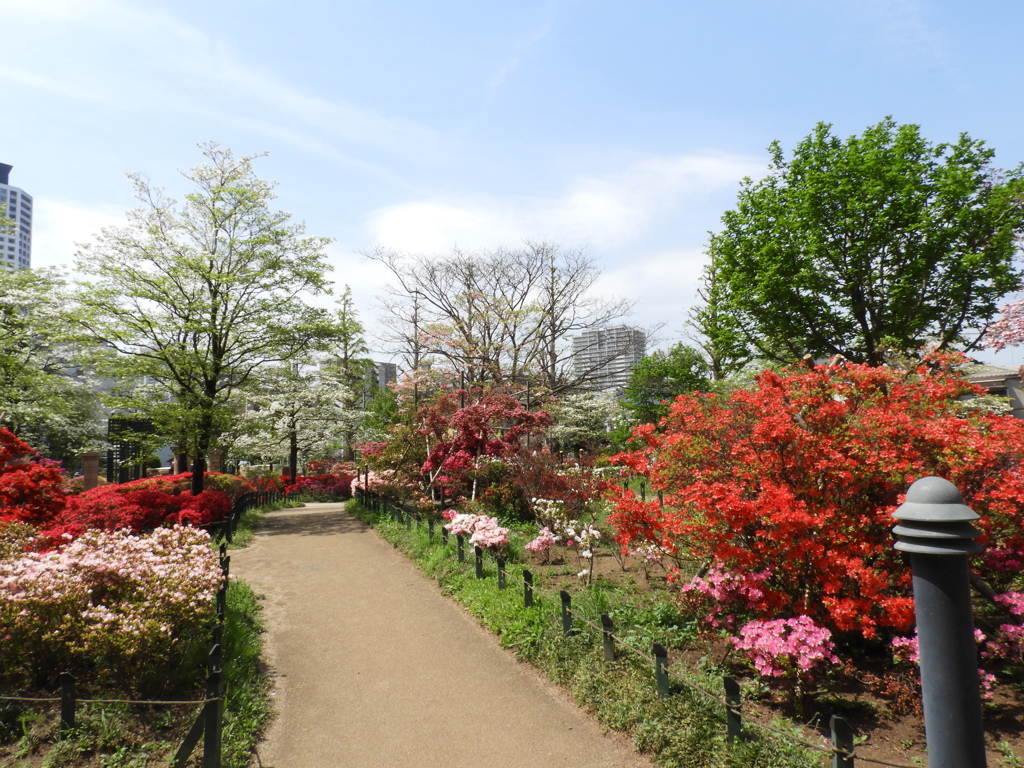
608	637
733	723
527	588
501	572
661	669
462	547
479	554
430	527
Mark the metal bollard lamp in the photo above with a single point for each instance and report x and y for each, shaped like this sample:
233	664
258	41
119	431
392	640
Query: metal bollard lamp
935	528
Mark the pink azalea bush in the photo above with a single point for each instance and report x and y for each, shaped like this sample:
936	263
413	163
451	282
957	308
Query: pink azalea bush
791	649
786	647
726	593
544	542
132	611
483	531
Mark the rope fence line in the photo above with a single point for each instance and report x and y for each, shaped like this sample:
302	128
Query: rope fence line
842	750
140	702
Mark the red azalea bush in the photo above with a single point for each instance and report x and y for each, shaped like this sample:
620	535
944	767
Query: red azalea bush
326	486
230	485
798	478
136	507
31	491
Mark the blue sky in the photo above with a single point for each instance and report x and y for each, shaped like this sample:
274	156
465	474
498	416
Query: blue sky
621	127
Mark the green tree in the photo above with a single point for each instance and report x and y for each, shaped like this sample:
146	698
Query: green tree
882	242
195	297
347	354
46	397
661	376
299	410
717	332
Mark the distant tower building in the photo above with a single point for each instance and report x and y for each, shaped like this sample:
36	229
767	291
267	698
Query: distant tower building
382	374
16	205
604	357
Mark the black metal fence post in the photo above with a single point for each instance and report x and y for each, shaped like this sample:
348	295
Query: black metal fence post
479	556
661	669
608	638
566	612
67	703
842	743
501	572
733	720
527	588
935	528
462	547
213	711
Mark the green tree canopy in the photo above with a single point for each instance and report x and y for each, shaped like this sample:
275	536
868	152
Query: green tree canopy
195	297
882	242
46	398
661	376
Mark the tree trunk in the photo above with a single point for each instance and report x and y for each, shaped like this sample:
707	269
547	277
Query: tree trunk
293	456
198	475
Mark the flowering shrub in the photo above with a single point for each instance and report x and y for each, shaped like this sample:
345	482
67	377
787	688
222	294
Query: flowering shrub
724	594
544	542
584	537
30	490
326	486
135	507
232	486
483	531
577	488
130	609
786	647
791	649
801	475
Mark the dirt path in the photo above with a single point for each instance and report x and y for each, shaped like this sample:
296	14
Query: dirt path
374	667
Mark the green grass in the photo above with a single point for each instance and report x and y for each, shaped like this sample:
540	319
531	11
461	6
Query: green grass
686	730
247	706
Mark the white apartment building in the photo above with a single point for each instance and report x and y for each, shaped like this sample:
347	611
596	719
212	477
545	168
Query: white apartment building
604	357
16	205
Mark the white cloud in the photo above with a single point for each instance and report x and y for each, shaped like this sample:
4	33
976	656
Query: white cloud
176	65
603	210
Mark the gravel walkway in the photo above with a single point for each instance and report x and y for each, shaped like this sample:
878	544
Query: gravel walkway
374	667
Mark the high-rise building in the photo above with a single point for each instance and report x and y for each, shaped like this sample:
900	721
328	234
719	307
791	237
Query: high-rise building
603	358
16	205
381	375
